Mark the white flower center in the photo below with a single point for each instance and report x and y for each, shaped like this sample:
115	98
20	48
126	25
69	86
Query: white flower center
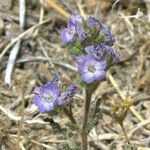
91	68
48	98
71	33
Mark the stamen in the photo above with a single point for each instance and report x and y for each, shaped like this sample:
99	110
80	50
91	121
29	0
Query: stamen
48	99
92	68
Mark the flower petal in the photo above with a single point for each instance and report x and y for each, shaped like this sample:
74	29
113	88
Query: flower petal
65	97
89	49
68	35
87	77
100	65
92	22
42	105
75	19
100	75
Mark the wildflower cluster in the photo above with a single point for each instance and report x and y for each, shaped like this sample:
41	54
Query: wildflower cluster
48	97
90	42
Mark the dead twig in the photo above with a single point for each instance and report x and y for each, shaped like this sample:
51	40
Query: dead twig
57	8
45	54
41	18
12	116
81	10
142	63
21	36
35	142
138	126
22	112
14	52
40	58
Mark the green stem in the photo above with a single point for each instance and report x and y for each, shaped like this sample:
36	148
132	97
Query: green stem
84	132
69	114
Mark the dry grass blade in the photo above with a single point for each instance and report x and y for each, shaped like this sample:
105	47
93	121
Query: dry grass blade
22	112
57	8
21	36
11	62
138	126
16	48
141	67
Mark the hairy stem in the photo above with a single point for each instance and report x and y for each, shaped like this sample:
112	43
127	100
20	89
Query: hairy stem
84	132
69	114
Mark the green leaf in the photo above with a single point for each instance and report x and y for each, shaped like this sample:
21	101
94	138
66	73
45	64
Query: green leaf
66	134
70	142
75	51
76	48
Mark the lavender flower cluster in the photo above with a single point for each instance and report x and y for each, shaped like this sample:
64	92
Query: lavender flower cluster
48	97
90	42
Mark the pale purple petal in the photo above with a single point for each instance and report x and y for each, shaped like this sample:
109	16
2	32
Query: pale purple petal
48	96
87	77
49	89
81	33
100	75
101	64
83	62
89	49
89	67
36	90
91	22
63	100
80	59
107	34
72	90
42	105
75	19
65	97
68	35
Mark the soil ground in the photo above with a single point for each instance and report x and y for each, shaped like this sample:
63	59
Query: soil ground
41	55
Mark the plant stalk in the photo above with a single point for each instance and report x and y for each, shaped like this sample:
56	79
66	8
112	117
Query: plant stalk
69	114
84	133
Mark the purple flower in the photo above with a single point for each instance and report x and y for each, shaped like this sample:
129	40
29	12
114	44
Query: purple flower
48	97
107	34
103	51
92	22
68	34
111	55
97	52
75	19
89	49
81	33
114	55
64	98
91	69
